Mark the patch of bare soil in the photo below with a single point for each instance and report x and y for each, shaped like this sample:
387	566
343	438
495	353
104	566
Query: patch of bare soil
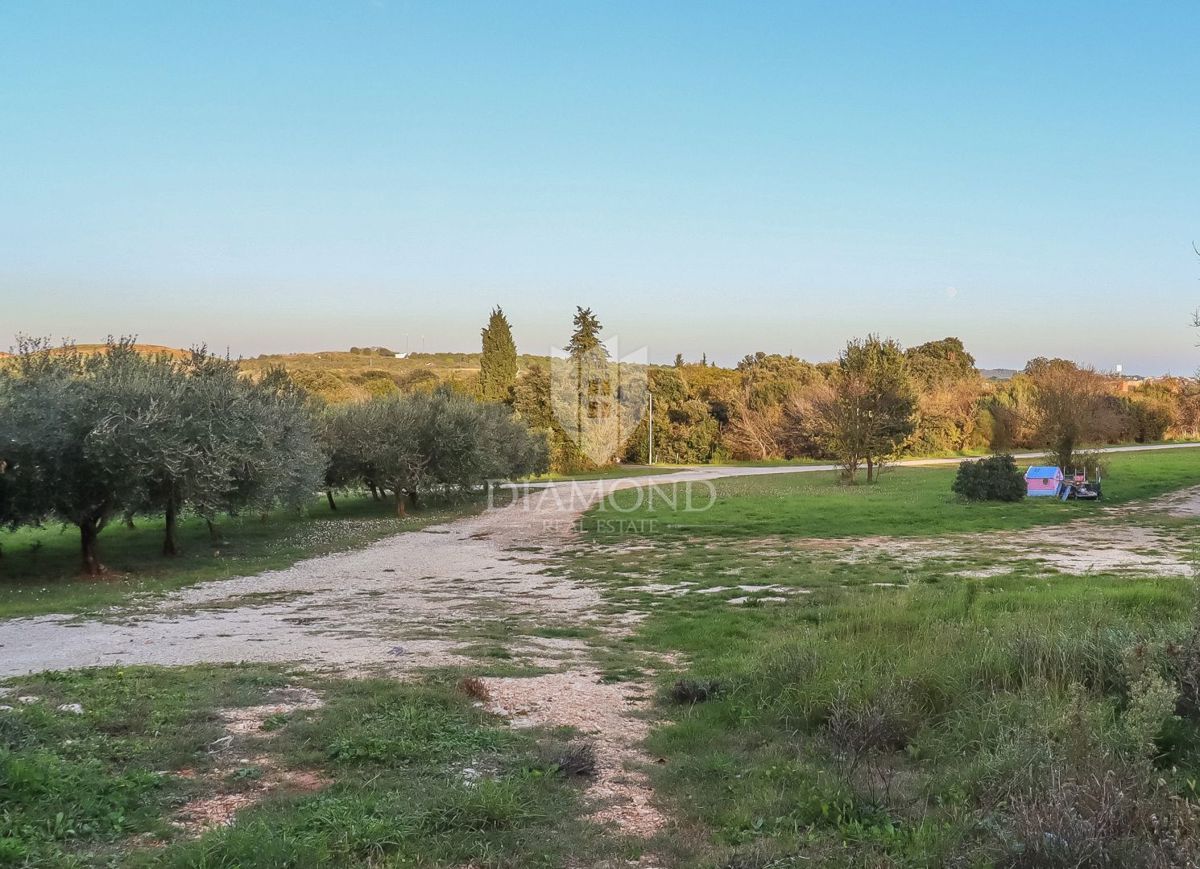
400	604
1088	547
220	807
244	720
607	715
1118	540
1081	547
1114	540
1184	504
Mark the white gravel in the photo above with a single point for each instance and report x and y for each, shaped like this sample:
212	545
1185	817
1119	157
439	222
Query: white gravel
404	602
400	603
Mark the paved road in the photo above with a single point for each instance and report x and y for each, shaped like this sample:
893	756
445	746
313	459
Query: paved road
715	472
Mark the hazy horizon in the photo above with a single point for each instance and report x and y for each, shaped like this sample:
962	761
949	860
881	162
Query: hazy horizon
277	178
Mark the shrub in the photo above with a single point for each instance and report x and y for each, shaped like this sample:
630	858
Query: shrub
995	478
1102	817
578	758
474	687
695	690
884	721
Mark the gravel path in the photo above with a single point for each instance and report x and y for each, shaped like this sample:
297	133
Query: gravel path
411	600
406	601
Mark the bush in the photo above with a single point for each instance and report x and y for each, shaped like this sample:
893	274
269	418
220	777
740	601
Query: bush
693	691
577	758
995	478
475	688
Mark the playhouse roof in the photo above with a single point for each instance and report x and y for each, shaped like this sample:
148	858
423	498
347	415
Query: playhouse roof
1042	472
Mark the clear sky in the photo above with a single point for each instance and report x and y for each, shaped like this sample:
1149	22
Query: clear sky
719	178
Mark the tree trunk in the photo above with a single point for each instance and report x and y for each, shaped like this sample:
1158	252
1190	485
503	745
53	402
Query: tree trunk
89	530
374	491
870	469
329	498
400	514
170	544
214	534
413	499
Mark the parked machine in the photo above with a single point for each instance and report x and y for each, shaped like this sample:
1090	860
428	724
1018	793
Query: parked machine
1079	487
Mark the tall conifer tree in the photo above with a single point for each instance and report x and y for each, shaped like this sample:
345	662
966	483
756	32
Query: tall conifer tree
498	364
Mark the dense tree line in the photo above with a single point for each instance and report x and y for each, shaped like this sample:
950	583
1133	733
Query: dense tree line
89	438
876	402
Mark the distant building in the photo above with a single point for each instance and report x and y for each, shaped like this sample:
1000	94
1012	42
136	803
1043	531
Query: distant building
401	355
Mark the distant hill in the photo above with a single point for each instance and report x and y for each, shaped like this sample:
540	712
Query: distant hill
997	373
342	375
148	349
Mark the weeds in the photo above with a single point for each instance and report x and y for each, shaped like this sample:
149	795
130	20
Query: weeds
1005	720
93	789
473	687
577	758
692	691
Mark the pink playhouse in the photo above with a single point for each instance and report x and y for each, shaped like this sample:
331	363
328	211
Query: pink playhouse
1041	481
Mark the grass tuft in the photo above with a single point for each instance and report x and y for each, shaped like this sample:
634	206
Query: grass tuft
692	691
473	687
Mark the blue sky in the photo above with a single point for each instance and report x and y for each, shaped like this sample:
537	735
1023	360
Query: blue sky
716	178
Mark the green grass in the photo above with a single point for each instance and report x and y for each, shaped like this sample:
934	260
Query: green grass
907	501
87	782
395	762
39	568
890	711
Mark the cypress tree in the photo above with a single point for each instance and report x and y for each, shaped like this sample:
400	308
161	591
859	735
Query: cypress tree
584	343
498	364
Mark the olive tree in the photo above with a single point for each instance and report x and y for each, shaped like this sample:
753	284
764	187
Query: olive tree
279	461
54	399
341	432
86	437
407	444
392	446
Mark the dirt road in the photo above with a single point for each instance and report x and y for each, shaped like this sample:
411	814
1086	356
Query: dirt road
413	600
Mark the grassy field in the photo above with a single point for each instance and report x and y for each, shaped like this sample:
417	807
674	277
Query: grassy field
861	708
907	501
382	774
39	568
957	704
